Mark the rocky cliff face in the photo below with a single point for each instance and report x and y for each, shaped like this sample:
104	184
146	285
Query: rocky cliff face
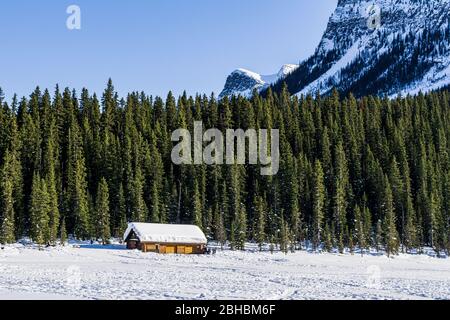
244	82
381	47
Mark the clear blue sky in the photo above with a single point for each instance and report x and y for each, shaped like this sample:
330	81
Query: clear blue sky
153	45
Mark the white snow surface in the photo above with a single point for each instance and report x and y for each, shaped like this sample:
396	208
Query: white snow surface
257	77
433	80
167	233
262	81
320	84
267	80
398	18
96	272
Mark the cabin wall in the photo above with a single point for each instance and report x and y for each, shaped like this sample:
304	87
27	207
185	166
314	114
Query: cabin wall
134	242
167	248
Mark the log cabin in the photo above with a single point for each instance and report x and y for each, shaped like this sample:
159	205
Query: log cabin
165	238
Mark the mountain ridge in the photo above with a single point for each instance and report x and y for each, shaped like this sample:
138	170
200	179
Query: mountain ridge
382	47
244	82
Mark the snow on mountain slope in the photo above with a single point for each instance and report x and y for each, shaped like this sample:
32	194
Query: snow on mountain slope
408	52
435	79
379	47
333	72
244	82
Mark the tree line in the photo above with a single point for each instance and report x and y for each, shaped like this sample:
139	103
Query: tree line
354	173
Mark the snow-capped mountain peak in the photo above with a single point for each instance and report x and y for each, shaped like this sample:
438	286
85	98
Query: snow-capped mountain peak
380	47
244	82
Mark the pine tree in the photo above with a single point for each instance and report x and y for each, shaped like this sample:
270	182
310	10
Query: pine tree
12	164
155	206
77	185
410	232
318	204
391	240
378	240
63	232
360	229
197	207
7	217
54	215
39	211
123	221
232	204
436	223
447	209
271	245
260	232
293	208
220	234
139	211
102	212
341	186
368	238
156	203
240	229
284	236
328	243
7	212
351	245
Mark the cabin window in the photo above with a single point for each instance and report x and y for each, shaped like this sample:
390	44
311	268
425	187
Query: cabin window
181	249
170	250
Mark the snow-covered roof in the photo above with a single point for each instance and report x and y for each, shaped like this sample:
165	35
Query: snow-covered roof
166	233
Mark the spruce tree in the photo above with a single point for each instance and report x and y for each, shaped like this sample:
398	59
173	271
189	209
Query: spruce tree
240	229
220	234
391	240
368	233
341	187
378	239
39	211
260	213
123	221
54	215
284	236
328	243
62	232
271	245
102	212
350	241
361	234
196	207
139	212
436	233
12	163
77	185
155	205
7	210
318	204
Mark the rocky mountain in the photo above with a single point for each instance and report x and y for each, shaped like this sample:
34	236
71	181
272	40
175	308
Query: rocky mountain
380	47
244	82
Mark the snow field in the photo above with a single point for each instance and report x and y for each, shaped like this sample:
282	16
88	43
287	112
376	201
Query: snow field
96	272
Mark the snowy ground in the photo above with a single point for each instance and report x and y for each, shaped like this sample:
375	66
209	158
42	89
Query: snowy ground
95	272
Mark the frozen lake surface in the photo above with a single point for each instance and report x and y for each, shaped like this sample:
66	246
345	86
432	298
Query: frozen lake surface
96	272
